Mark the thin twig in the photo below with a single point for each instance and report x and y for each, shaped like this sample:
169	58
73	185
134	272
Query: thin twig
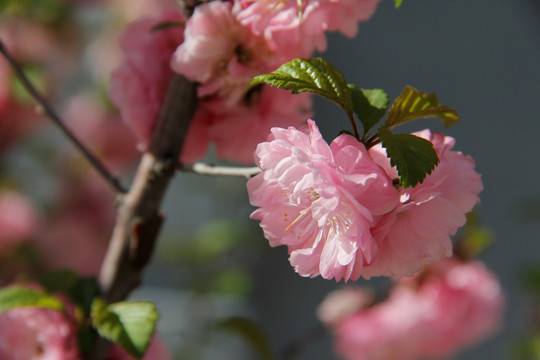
211	170
49	111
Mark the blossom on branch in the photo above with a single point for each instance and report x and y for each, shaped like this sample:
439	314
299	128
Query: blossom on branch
220	53
139	86
336	208
320	200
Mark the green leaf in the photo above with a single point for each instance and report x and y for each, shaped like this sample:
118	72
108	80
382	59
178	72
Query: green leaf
413	104
251	333
314	75
19	296
369	105
127	324
413	156
398	3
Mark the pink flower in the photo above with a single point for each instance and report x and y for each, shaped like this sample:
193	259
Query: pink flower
469	305
156	351
418	230
387	331
451	306
106	135
77	237
220	53
18	220
297	31
139	84
237	130
319	200
29	333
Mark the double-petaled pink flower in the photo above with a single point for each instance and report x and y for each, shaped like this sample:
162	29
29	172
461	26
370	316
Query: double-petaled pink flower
336	209
320	200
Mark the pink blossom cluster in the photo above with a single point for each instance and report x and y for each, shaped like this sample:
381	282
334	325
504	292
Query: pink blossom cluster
336	209
221	48
451	306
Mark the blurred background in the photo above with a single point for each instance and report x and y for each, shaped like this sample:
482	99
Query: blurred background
480	57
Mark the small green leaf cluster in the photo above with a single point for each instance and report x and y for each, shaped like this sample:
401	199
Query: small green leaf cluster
413	157
130	325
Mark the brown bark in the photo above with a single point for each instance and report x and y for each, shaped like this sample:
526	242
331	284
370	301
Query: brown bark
139	219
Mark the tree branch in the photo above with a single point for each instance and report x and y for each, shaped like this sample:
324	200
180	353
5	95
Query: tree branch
211	170
49	111
139	220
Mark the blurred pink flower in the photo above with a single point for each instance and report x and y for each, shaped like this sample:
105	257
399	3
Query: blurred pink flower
451	306
156	351
77	236
28	333
220	53
469	305
18	220
320	200
393	329
139	84
106	135
418	230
